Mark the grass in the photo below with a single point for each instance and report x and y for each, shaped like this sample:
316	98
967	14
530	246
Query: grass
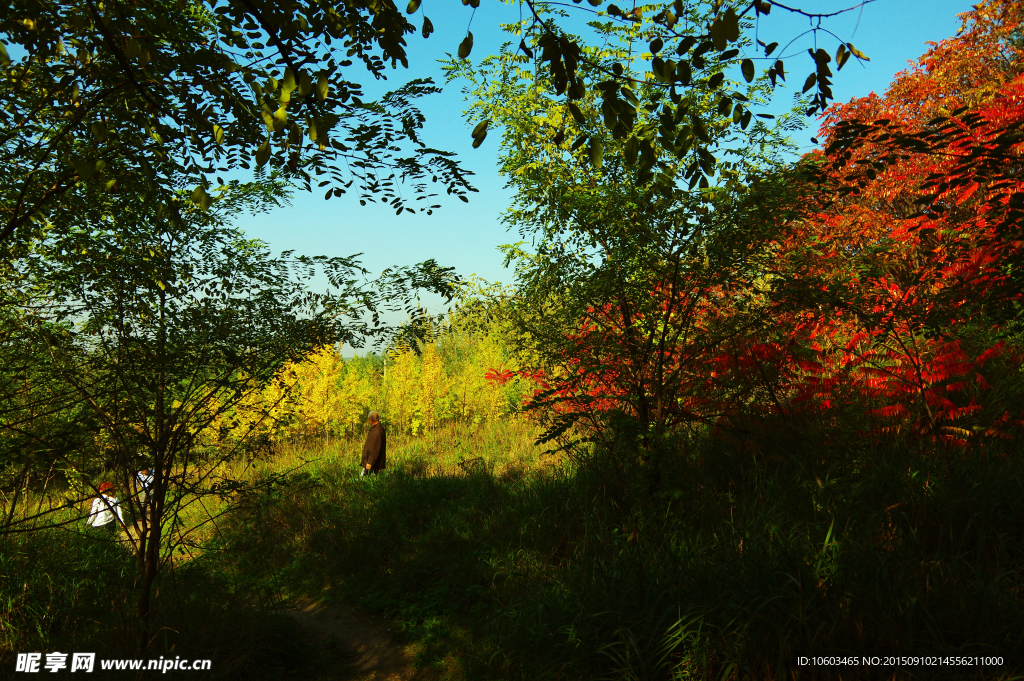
498	561
61	590
67	588
739	564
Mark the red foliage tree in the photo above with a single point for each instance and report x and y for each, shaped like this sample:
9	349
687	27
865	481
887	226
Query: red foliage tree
919	242
892	289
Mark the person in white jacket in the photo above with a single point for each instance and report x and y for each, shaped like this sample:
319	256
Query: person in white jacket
143	480
104	508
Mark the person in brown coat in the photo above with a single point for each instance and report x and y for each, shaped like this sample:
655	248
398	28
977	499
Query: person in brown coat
375	450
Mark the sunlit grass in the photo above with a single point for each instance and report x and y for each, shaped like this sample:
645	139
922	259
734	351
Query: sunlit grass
497	560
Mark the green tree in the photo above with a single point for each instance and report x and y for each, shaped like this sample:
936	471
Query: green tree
640	271
105	94
102	94
159	323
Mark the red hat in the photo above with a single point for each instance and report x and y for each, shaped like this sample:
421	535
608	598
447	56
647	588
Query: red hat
106	486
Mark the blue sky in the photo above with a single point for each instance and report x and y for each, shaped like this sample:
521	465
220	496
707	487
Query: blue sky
465	236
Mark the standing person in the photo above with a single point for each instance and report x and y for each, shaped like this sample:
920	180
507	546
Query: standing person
143	479
104	508
376	448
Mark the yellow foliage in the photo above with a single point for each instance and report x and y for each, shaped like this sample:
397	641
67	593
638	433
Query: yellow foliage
400	385
326	395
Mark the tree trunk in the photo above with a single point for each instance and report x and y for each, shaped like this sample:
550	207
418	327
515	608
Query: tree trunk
149	566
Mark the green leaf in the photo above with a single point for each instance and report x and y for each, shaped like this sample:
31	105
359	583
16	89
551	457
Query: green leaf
466	46
701	130
280	118
480	132
218	134
717	34
576	113
841	56
596	153
322	86
287	85
632	149
85	168
683	74
732	25
263	153
412	6
656	45
715	80
479	139
428	27
132	49
305	83
201	198
857	53
769	48
747	67
809	83
658	68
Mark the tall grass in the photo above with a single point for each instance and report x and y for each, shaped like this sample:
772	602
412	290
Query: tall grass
738	565
67	590
498	561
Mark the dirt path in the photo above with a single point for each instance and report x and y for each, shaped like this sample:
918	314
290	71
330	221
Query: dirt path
366	638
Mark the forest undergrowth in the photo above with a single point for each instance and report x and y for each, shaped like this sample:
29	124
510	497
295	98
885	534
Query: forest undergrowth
745	559
497	560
